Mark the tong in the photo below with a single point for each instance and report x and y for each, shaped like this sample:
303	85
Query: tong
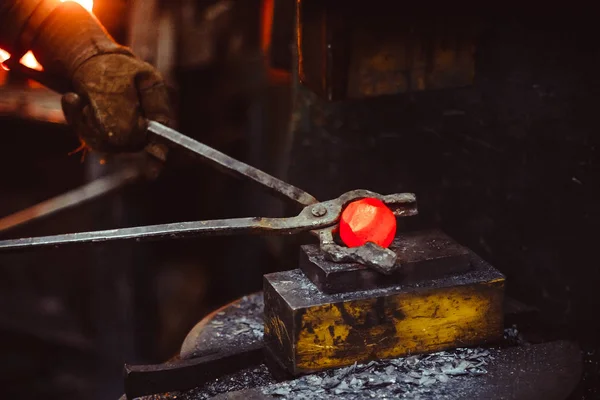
321	219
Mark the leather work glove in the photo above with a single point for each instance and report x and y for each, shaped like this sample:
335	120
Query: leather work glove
114	96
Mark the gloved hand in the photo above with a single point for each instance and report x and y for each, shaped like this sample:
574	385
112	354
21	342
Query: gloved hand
114	96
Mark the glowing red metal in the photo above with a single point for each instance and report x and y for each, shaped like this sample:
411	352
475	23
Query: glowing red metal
367	220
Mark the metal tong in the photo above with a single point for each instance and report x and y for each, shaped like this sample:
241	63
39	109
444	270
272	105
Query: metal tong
319	218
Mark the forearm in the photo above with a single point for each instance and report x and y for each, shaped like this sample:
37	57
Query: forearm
16	16
62	35
110	94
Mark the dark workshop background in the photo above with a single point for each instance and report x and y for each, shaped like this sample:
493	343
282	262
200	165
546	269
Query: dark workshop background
507	166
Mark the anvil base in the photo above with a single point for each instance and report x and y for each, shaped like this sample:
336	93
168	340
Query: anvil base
307	330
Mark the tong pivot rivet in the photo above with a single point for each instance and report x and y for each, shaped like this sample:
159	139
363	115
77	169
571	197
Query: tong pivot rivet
318	211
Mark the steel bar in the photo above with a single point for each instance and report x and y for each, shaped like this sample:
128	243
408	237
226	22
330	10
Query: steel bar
231	166
90	191
179	375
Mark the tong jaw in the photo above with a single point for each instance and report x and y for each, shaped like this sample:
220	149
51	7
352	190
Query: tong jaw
370	254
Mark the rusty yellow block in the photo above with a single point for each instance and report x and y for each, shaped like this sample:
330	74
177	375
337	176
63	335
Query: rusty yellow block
307	330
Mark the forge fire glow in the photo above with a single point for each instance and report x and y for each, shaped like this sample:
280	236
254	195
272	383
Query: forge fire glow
87	4
367	220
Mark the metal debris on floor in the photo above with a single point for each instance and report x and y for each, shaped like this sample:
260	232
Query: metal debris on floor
423	375
390	379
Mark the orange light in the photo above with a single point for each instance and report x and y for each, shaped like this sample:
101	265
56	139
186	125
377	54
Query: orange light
3	57
267	24
28	59
87	4
367	220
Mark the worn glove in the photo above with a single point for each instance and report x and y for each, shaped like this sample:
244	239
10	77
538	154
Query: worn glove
114	96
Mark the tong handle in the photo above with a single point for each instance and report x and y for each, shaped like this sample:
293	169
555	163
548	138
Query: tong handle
163	137
179	230
229	165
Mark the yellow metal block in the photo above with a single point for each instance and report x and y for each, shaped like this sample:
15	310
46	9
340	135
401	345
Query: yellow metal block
307	330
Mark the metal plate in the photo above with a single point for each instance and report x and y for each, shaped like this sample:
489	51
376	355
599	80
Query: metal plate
422	255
